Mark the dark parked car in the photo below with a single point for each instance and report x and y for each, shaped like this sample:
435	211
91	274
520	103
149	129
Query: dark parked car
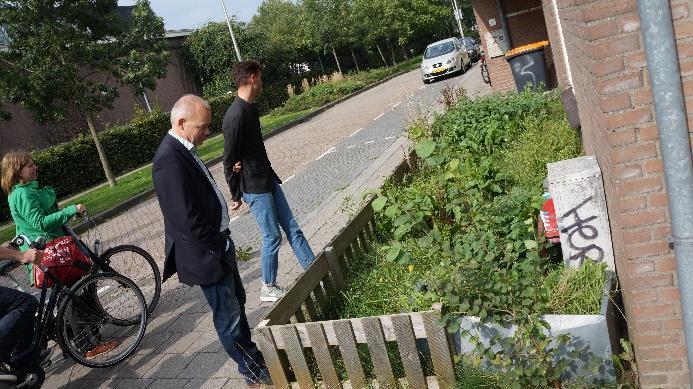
473	48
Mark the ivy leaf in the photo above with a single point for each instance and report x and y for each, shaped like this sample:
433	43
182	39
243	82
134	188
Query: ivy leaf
425	148
394	252
425	241
379	203
531	244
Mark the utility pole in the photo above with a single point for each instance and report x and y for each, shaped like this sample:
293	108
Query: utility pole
233	37
458	16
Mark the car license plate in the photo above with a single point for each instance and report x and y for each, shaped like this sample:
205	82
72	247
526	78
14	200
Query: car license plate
439	70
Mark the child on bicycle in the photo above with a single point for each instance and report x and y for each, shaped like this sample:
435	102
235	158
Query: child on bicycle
35	213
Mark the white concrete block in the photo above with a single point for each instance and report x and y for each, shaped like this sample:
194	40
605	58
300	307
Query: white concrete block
578	194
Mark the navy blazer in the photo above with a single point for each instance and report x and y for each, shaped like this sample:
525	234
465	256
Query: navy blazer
192	217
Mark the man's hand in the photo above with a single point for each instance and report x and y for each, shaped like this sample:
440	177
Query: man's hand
237	167
31	256
236	204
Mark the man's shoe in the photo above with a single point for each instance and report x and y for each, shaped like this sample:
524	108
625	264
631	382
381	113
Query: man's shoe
100	349
271	293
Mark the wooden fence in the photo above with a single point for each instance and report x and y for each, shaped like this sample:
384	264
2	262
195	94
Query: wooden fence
296	344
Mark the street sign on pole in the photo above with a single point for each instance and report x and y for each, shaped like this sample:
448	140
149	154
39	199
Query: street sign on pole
233	37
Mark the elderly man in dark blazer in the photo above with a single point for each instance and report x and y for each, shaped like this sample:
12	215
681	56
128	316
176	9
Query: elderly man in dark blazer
196	222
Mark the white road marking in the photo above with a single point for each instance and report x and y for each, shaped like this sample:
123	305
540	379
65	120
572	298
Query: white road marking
356	132
103	289
289	178
234	218
351	147
369	142
396	105
390	137
325	153
422	87
379	116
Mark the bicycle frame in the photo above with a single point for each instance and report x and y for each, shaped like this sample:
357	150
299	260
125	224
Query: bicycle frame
95	258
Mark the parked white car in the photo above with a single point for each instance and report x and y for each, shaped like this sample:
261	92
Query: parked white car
444	57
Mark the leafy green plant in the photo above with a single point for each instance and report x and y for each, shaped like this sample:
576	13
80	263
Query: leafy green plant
468	223
244	254
576	291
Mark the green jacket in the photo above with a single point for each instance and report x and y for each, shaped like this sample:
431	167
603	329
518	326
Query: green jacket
35	212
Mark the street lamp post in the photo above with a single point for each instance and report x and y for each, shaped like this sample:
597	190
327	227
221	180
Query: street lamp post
233	37
458	17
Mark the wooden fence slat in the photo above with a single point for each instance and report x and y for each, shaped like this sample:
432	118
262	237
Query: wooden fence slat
294	351
320	298
351	231
294	297
265	343
372	225
408	351
335	268
350	354
378	351
363	237
310	307
322	355
439	345
300	318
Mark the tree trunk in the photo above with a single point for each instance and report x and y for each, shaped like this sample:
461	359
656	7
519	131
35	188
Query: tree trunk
392	52
382	56
353	55
337	60
102	154
404	52
322	68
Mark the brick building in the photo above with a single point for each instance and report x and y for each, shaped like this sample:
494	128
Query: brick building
21	132
597	48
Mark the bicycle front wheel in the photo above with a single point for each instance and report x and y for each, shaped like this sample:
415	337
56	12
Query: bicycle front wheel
101	320
138	265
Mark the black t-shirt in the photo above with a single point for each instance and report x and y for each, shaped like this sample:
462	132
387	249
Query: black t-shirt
243	142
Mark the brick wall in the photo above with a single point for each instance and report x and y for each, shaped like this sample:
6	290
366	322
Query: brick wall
527	27
23	133
611	84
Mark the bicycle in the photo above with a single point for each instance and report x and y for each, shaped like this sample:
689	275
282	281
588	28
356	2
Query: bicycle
99	306
129	260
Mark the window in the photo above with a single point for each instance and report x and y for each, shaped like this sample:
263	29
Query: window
439	49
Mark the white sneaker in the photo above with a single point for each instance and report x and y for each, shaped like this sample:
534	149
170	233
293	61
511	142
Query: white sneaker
271	293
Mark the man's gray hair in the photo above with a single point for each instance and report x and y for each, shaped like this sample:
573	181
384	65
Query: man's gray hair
184	107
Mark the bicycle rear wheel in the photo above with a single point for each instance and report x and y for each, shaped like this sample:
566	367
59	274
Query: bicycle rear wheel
105	312
136	263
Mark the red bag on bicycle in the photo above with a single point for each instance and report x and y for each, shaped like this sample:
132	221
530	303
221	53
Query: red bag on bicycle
65	260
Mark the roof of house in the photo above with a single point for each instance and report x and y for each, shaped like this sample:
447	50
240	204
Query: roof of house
177	33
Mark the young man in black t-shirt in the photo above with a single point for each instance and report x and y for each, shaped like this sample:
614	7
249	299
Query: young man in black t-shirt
255	182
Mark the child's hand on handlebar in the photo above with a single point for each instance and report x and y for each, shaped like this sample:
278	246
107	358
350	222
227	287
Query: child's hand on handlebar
31	256
81	209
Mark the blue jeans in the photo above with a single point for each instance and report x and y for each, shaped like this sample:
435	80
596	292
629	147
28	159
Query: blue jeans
227	300
271	210
17	320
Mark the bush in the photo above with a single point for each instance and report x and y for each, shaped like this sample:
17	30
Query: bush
464	225
320	95
219	106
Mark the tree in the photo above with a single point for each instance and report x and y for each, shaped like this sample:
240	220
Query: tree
327	24
68	55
